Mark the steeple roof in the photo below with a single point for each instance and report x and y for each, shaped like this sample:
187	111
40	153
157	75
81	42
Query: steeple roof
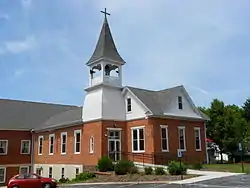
105	47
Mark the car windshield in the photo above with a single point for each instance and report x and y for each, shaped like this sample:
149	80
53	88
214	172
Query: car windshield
28	176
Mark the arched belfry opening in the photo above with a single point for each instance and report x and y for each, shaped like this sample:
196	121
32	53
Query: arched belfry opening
95	71
112	70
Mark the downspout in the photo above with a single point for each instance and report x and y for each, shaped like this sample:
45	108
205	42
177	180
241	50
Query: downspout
32	149
205	129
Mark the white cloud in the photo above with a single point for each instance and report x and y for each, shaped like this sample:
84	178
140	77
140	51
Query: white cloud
18	46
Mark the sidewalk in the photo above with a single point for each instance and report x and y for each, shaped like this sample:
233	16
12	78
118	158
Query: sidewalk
205	175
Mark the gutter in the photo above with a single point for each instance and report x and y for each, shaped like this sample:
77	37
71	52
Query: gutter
176	117
32	149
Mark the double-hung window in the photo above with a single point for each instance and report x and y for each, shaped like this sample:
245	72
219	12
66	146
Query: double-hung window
51	144
63	142
197	133
3	147
40	145
77	139
182	138
164	138
25	147
138	139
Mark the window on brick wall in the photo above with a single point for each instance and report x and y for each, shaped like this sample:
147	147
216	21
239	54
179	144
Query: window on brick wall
51	143
182	138
25	147
197	133
40	145
164	137
77	139
3	147
138	144
63	142
91	144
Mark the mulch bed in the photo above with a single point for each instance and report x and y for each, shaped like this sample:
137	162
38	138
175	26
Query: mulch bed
136	178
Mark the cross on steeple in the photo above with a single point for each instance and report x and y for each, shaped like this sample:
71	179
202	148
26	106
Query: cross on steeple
105	13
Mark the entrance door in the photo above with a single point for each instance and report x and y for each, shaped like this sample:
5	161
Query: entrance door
114	144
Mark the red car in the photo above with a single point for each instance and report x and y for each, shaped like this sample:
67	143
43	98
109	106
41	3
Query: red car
31	180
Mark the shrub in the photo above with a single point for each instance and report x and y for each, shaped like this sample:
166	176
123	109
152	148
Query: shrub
64	180
159	171
174	168
197	166
105	164
84	176
134	170
148	170
123	167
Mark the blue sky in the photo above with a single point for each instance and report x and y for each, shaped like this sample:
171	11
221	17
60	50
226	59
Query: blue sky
204	45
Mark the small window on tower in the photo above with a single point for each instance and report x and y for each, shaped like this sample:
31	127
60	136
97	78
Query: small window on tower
129	107
180	105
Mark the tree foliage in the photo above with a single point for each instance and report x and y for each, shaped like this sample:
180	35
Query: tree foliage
229	125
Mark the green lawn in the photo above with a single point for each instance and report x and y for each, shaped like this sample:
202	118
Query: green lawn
236	168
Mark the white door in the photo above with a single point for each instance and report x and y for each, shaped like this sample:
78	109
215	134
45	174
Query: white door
114	144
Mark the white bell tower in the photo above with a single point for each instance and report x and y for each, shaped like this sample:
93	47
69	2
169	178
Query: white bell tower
104	100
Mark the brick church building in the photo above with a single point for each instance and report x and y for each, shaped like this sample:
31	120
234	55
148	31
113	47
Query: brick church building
118	121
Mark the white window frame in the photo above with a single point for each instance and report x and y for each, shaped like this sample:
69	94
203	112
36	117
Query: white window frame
180	102
4	178
91	144
128	98
76	171
52	136
138	139
167	140
22	147
62	134
39	138
7	144
184	137
75	133
27	167
199	133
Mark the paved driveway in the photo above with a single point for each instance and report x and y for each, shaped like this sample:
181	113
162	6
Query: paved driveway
239	181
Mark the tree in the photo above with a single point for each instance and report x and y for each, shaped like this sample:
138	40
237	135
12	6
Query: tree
246	109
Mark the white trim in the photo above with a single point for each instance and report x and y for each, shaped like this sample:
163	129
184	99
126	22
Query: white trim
4	178
91	144
138	139
64	134
27	167
22	147
77	132
138	127
38	151
52	136
7	143
184	137
199	133
167	140
114	129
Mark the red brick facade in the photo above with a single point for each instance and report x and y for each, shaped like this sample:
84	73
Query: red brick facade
99	131
13	159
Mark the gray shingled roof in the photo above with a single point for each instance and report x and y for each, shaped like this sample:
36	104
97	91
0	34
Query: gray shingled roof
15	114
105	47
64	118
159	101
